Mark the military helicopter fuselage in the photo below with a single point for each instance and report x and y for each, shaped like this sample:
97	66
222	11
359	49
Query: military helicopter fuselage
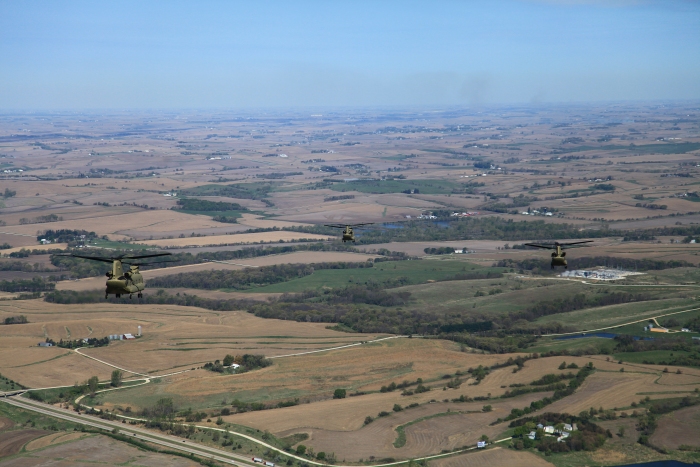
558	258
558	253
348	234
120	282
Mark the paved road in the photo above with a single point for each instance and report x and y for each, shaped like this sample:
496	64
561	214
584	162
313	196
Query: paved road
140	434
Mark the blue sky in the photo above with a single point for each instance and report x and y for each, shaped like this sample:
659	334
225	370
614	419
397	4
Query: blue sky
227	54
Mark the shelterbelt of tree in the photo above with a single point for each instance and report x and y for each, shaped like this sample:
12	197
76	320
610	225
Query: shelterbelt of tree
495	228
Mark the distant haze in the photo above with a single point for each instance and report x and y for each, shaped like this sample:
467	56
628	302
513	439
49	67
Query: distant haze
225	54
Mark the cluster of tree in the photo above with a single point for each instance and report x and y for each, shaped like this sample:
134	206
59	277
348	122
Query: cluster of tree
393	386
278	175
444	250
35	284
66	235
247	278
5	246
41	219
604	187
242	190
9	193
572	303
78	343
21	319
164	408
193	204
338	198
587	437
574	384
247	362
651	206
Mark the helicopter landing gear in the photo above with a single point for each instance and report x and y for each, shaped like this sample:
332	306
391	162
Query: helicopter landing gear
140	295
130	296
106	296
119	295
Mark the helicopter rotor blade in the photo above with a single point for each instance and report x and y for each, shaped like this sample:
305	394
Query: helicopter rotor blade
94	258
334	226
144	256
150	262
575	243
536	245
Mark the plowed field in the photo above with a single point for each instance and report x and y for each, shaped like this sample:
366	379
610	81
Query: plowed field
495	457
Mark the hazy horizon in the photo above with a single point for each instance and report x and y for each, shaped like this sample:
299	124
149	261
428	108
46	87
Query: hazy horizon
312	54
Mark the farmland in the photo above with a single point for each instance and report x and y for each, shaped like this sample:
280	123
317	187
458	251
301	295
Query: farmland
447	299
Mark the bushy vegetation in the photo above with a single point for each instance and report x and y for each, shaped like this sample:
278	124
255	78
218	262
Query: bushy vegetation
66	235
36	284
193	204
247	362
587	437
21	319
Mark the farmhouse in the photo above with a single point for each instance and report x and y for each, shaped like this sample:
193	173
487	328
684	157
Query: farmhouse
129	336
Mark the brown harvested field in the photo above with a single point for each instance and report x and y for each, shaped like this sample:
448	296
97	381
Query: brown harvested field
304	257
256	221
314	377
167	330
6	423
11	442
96	449
237	239
123	223
51	246
496	457
607	390
678	428
55	438
461	425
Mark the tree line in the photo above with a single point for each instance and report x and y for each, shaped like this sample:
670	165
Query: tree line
249	277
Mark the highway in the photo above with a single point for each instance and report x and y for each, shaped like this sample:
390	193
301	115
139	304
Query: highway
182	445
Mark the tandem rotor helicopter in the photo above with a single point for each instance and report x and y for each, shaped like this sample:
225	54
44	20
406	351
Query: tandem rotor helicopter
348	232
558	254
120	282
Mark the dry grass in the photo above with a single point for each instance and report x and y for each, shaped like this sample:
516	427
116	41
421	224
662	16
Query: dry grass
6	423
678	428
492	458
237	239
168	330
463	426
91	450
55	438
11	442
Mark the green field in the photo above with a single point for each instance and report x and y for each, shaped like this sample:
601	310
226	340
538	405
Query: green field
410	272
652	356
427	187
613	315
